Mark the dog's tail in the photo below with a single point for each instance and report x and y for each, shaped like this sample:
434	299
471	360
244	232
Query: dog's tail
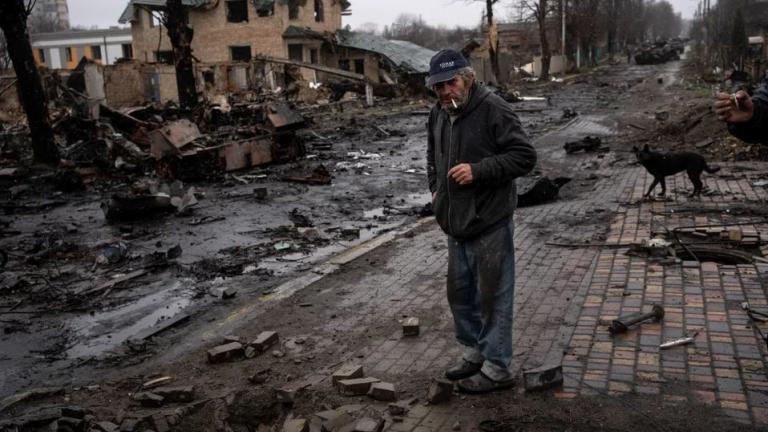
712	169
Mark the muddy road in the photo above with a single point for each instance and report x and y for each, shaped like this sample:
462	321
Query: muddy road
65	322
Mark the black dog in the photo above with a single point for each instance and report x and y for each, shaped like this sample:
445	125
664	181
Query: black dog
662	165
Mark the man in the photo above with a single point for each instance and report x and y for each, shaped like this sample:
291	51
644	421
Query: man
476	149
747	117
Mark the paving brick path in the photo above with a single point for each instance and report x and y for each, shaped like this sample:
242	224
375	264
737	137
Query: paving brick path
565	296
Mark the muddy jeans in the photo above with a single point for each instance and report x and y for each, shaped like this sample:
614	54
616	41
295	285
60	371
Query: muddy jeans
481	290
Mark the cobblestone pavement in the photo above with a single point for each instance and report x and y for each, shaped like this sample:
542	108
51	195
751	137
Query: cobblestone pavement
565	296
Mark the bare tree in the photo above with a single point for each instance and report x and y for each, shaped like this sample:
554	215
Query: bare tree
13	22
175	19
540	10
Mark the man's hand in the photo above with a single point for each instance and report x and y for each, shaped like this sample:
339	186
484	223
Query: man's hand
737	108
462	174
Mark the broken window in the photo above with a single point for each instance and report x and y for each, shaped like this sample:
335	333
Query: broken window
265	8
41	54
209	77
296	52
96	52
293	9
237	11
319	16
240	53
164	57
344	65
127	51
313	56
68	54
152	19
360	66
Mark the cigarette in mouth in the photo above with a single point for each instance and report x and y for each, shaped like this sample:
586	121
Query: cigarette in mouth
454	104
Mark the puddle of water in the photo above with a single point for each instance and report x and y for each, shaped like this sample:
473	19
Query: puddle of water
106	330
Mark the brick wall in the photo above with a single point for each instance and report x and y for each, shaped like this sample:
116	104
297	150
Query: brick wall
124	85
214	35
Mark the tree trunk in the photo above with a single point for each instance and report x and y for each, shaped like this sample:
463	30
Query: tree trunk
545	54
13	21
181	36
493	41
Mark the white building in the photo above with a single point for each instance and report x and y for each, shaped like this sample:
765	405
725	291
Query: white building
63	50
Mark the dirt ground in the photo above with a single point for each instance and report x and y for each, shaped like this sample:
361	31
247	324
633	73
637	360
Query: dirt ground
56	333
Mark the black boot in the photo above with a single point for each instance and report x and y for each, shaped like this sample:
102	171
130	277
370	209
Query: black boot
463	369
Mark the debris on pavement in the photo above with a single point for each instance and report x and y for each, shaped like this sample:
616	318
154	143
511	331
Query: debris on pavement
411	326
319	176
678	342
623	323
540	191
440	390
587	144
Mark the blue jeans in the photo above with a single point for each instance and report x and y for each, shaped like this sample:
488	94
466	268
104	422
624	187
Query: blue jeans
481	294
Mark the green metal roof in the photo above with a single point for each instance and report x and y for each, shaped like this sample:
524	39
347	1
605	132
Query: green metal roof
127	14
406	55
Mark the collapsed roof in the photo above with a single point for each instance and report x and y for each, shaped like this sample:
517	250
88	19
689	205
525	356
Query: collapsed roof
407	56
128	12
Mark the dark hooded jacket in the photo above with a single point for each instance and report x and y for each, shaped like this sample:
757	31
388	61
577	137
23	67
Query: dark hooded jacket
756	129
486	134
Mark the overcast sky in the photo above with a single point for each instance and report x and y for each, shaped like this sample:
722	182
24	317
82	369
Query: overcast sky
104	13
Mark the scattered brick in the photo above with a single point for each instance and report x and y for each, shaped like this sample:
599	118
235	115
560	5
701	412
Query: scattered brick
296	425
368	424
383	391
346	373
265	340
178	394
411	327
333	420
225	352
148	399
441	390
357	386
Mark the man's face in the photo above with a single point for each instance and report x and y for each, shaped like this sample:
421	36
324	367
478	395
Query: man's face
454	90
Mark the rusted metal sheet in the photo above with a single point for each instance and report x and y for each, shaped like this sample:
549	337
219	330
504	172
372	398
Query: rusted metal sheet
245	154
171	138
281	116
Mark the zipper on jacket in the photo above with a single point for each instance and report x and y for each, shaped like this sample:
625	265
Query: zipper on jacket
448	168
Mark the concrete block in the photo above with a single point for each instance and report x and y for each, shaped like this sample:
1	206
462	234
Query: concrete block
441	390
397	409
357	386
225	352
333	420
177	394
160	424
347	372
228	293
383	391
149	399
411	327
368	424
296	425
105	426
265	340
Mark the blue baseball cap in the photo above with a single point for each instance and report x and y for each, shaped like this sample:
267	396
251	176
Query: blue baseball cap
444	66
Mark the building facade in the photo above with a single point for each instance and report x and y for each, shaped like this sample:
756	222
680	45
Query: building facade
63	50
53	10
236	30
